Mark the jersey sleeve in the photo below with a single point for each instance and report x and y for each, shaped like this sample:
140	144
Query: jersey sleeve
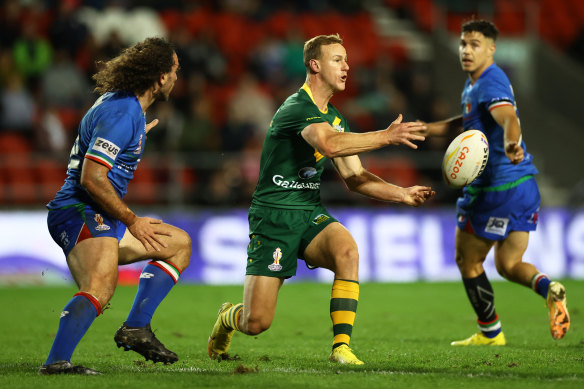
297	116
496	92
111	136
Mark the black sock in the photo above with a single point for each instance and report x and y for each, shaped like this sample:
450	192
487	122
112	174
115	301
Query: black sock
482	298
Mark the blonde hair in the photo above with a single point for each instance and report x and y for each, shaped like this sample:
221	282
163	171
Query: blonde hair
312	47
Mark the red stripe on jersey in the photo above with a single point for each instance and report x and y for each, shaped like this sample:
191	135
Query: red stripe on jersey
83	234
100	161
468	227
499	104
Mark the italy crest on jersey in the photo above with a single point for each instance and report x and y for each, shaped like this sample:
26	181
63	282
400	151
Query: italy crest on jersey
100	225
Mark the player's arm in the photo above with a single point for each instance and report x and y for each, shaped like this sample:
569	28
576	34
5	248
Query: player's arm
332	144
443	127
95	181
360	180
506	117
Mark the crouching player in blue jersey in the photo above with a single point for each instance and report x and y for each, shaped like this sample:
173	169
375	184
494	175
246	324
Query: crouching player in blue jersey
501	206
92	224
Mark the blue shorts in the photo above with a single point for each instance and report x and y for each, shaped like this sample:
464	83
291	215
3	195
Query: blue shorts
73	224
492	212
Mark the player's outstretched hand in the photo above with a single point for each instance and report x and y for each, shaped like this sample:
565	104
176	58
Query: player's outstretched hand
147	230
151	125
404	133
514	152
417	195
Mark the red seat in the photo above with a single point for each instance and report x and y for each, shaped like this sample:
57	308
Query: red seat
50	175
14	142
16	168
143	189
18	173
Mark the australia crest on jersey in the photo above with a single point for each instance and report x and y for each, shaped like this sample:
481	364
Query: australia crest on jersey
277	255
100	225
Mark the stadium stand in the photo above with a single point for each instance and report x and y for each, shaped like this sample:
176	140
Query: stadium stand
219	44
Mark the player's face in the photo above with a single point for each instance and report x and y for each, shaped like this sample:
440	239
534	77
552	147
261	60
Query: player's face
168	81
333	66
475	53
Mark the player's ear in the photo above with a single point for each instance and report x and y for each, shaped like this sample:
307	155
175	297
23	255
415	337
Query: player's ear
492	48
314	65
162	79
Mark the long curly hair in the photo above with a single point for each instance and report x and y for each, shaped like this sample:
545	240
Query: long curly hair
136	69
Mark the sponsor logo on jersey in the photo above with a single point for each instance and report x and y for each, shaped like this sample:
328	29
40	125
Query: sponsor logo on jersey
100	226
279	180
497	225
277	255
307	173
320	218
64	313
106	147
312	118
146	275
64	239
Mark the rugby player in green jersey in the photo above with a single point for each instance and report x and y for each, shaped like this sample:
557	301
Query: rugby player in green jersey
287	220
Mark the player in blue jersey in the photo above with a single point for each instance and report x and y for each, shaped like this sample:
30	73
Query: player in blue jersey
92	224
501	206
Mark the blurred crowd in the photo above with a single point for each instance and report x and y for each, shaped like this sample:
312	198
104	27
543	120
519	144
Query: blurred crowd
239	60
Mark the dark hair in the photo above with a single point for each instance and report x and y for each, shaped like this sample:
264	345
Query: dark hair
488	29
312	46
137	68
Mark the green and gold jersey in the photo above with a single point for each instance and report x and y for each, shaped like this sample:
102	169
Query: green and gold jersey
290	168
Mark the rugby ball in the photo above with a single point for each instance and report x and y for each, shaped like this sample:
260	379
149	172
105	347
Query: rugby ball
465	158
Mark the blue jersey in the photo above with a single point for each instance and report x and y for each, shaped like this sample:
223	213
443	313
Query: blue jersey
112	133
492	90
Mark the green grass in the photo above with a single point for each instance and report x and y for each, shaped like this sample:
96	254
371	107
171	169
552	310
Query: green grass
402	332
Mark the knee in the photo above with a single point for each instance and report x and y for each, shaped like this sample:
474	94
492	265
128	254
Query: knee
183	249
469	267
504	269
103	293
459	260
348	258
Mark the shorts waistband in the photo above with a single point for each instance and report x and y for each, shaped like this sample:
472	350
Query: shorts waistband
498	188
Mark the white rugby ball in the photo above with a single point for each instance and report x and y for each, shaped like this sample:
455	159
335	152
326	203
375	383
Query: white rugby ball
465	158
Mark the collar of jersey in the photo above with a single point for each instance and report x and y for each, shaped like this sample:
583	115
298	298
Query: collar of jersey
309	93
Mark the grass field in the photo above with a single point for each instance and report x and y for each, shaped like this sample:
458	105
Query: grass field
402	332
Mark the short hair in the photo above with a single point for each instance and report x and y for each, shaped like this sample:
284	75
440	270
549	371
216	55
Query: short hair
488	29
313	45
137	68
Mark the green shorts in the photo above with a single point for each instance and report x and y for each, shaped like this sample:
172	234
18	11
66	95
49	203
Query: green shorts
278	238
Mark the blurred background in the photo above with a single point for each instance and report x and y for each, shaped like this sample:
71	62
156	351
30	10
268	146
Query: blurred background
239	60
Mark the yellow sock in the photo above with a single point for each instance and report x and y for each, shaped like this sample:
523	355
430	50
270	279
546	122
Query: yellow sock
230	318
344	298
